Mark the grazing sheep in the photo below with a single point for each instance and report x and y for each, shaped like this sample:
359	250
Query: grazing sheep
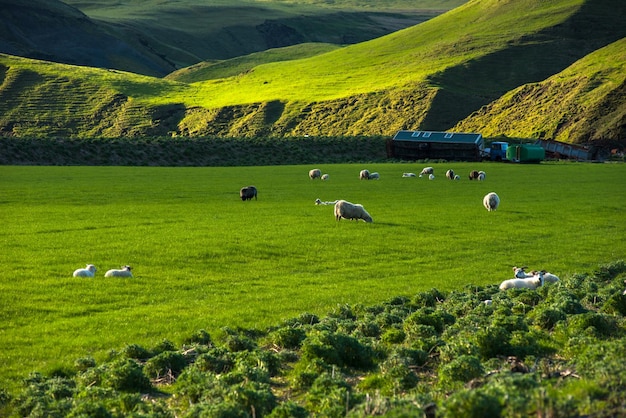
315	173
528	283
320	202
88	271
549	277
247	193
481	176
491	201
325	177
473	175
374	176
364	175
431	177
124	272
427	170
409	175
450	174
347	210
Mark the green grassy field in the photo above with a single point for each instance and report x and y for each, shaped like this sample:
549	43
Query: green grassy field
203	259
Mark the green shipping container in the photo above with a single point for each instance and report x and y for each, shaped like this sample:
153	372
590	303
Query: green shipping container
525	153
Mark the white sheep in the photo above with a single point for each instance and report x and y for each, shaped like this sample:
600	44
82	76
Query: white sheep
549	277
374	176
427	170
320	202
481	176
347	210
520	273
528	283
457	177
88	271
364	175
325	177
491	201
124	272
315	173
431	177
409	175
450	174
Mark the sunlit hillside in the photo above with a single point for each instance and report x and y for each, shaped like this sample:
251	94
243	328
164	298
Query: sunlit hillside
584	102
430	76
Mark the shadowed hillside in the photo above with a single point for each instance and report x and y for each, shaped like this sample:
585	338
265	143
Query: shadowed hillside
583	103
156	38
53	31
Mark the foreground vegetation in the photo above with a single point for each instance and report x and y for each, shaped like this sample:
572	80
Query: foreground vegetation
203	259
557	351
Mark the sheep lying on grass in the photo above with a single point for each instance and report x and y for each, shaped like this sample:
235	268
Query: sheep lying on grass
431	177
528	283
520	273
374	176
549	277
481	176
124	272
315	173
491	201
325	177
347	210
88	271
409	175
320	202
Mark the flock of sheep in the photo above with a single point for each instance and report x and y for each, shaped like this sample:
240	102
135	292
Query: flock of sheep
347	210
491	201
90	271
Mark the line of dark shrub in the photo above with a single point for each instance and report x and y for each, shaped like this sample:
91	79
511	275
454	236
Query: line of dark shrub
205	151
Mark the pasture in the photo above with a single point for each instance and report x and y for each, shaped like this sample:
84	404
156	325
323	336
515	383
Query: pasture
203	259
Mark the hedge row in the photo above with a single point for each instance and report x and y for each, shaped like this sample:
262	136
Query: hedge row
191	151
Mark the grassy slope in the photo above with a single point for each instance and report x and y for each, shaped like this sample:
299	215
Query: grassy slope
574	105
54	31
394	61
227	29
240	65
408	79
204	259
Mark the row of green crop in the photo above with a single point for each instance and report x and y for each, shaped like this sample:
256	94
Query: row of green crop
212	151
556	351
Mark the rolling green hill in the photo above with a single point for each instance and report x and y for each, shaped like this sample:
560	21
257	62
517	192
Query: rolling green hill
430	76
583	102
154	37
